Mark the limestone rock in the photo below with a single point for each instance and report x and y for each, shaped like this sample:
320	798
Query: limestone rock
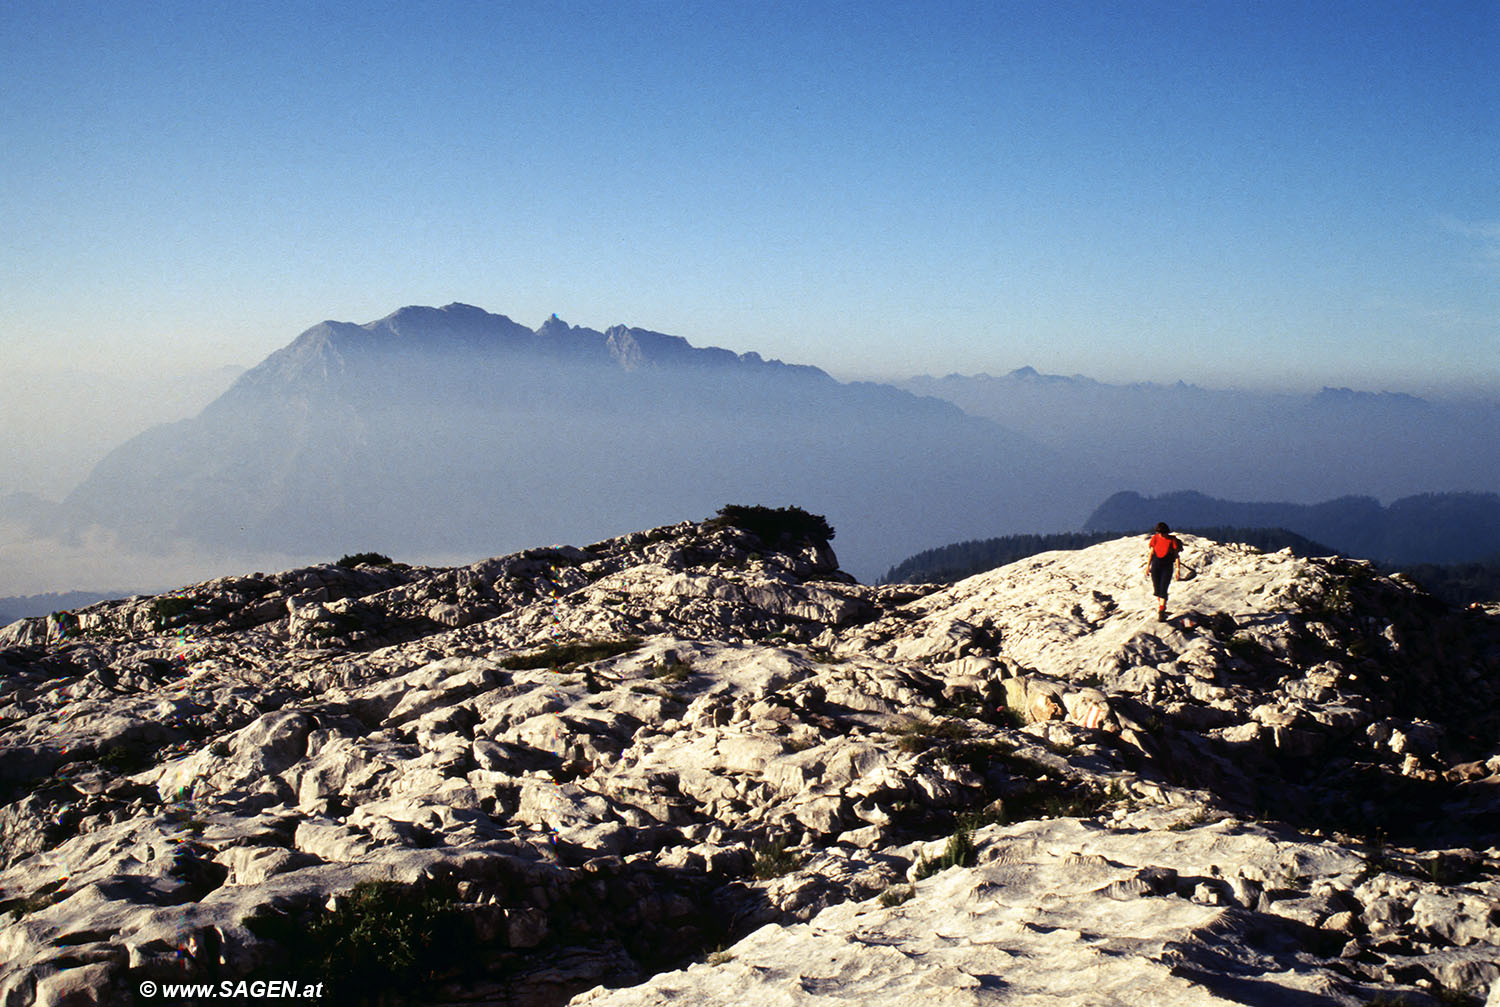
606	763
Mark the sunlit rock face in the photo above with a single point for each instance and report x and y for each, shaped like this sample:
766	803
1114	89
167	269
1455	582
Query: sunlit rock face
701	764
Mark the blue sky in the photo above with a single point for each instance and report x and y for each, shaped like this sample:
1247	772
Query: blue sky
1272	194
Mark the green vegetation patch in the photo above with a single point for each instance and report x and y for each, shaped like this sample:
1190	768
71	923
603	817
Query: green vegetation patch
125	759
332	624
897	894
966	705
383	936
568	656
774	860
771	525
364	559
959	852
47	895
1059	801
978	754
166	610
974	819
918	734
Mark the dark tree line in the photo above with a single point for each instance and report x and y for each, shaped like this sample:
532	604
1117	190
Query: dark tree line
1457	583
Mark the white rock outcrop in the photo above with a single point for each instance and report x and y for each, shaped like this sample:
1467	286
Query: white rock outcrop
691	766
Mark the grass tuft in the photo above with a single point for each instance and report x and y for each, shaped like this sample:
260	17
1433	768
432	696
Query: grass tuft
774	860
958	853
896	895
673	671
918	734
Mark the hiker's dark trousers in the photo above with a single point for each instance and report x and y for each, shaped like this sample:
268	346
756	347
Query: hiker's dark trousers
1161	574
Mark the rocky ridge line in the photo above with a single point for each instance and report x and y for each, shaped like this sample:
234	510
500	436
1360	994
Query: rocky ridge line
585	757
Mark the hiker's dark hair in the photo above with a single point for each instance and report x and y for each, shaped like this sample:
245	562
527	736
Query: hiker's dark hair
1162	529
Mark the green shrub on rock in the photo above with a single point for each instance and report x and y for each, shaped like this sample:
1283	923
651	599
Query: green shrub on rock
382	936
564	657
772	525
364	559
166	609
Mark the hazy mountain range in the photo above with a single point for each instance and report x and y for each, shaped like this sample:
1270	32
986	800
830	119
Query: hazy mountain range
438	431
1428	528
1160	438
434	433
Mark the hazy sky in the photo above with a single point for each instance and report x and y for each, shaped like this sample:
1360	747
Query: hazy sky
1228	193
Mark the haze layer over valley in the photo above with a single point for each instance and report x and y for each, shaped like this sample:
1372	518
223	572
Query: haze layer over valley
436	432
1243	445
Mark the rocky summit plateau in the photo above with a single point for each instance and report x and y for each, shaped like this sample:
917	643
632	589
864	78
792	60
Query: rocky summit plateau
701	765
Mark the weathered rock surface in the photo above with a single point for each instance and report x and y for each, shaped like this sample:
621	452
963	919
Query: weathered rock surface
601	764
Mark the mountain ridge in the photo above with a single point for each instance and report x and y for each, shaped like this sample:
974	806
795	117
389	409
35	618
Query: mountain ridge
1154	437
1423	528
571	434
586	768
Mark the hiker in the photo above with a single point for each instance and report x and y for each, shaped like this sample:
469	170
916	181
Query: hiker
1161	563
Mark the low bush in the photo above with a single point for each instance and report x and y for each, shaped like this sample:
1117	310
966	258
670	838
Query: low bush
364	559
978	754
166	610
331	624
568	656
1058	801
772	525
383	936
992	813
1005	716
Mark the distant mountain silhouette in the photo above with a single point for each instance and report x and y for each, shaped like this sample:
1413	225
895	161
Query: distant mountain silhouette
1153	438
1428	528
453	430
28	606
